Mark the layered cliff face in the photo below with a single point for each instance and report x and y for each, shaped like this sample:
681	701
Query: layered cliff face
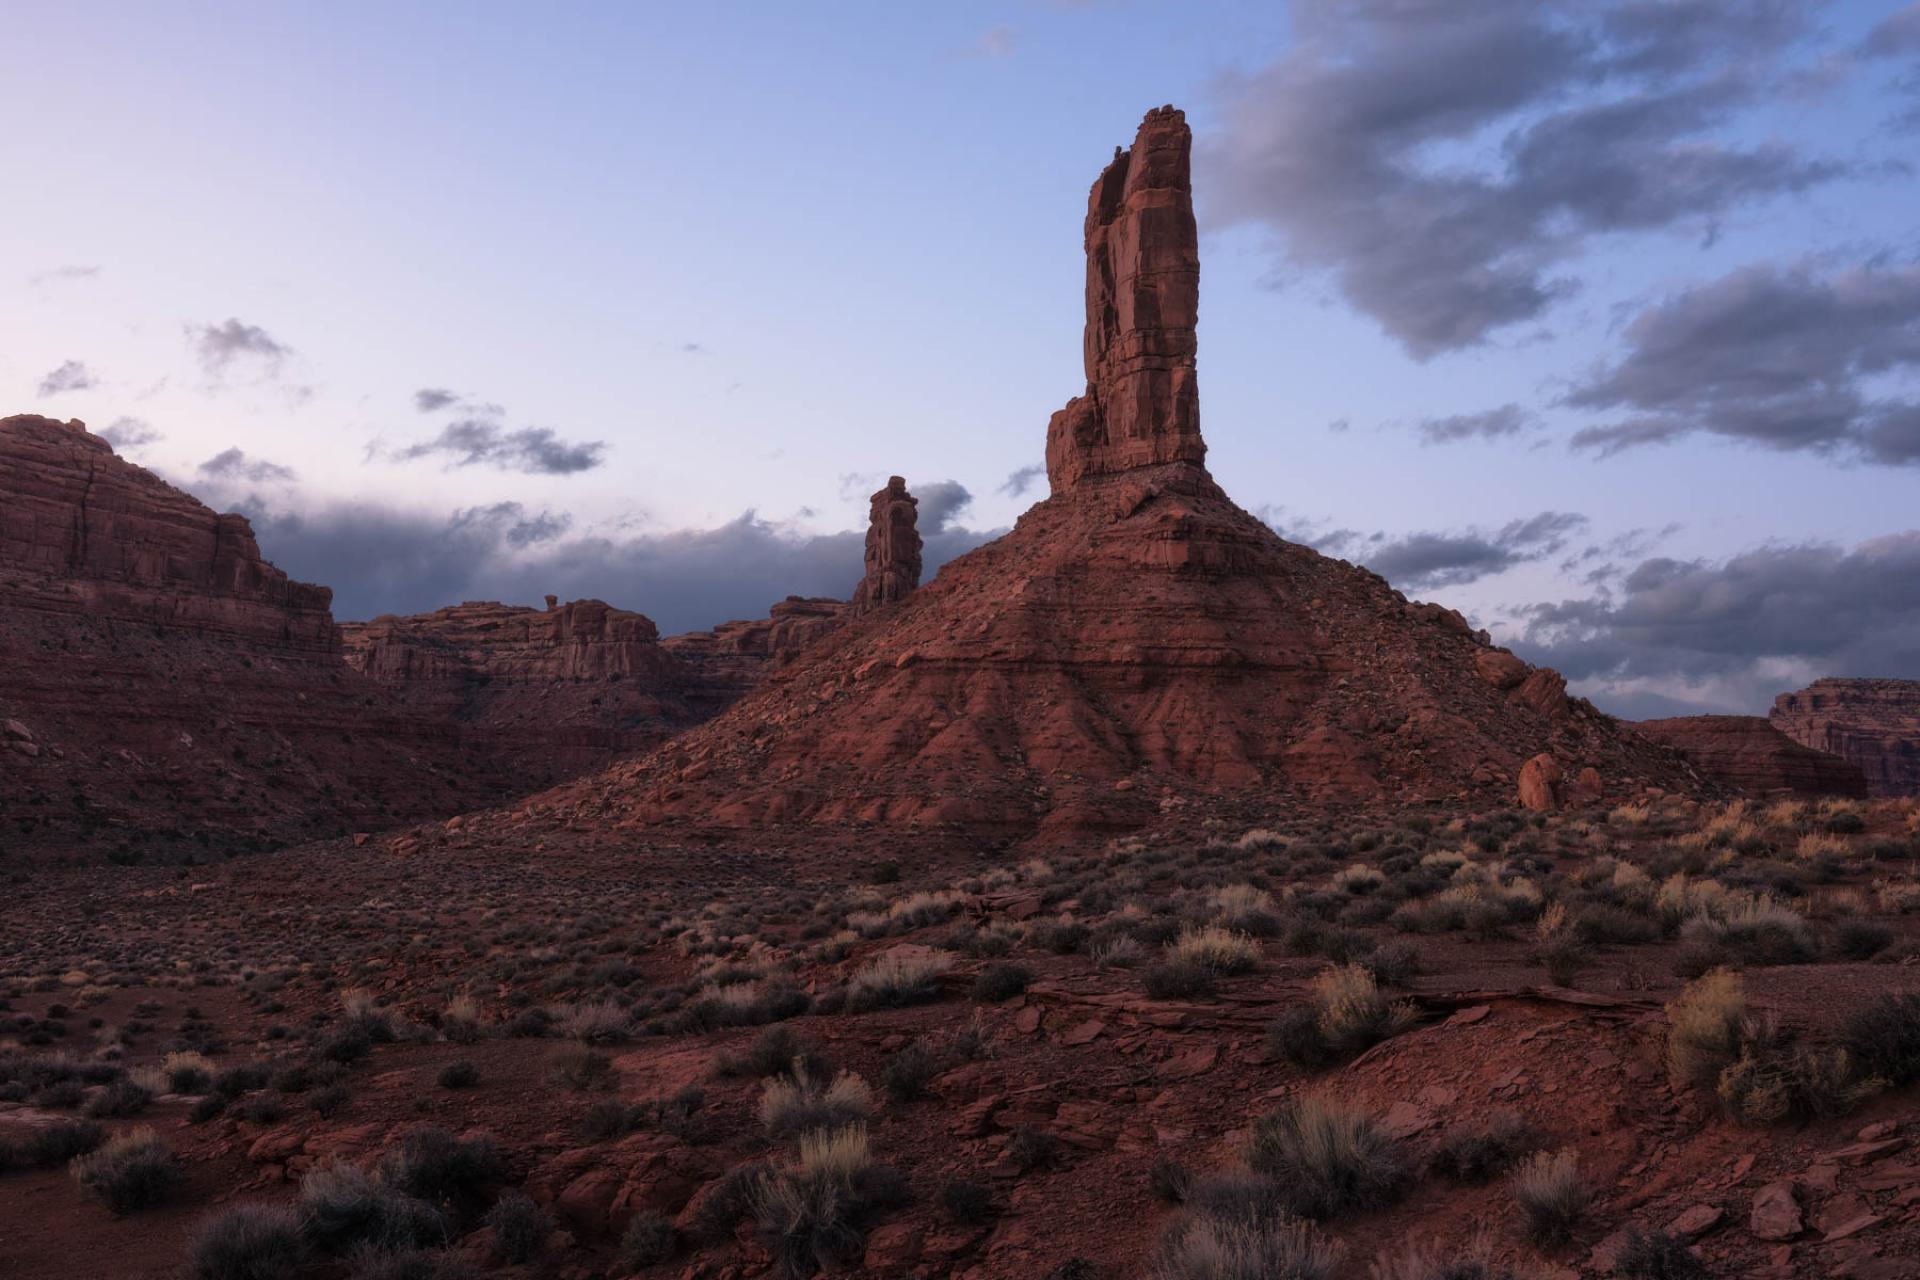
892	548
1749	756
542	694
1137	642
734	658
176	690
1874	724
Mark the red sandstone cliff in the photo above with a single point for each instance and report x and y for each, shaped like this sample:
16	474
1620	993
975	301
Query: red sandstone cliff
1874	724
1750	756
171	689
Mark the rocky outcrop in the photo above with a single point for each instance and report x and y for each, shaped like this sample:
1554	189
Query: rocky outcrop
734	658
893	548
1748	755
179	692
1136	646
1873	724
543	694
1142	403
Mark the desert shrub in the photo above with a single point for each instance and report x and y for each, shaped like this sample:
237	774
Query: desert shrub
1883	1038
1118	953
1221	952
997	982
129	1172
815	1214
247	1242
1061	937
346	1045
716	1213
188	1072
649	1239
1703	1035
771	1053
454	1174
239	1079
210	1107
907	1072
342	1207
1169	1180
803	1102
967	1203
1178	980
1392	964
611	1118
1421	1262
408	1264
1327	1159
1773	1080
459	1075
897	978
581	1069
1349	1015
264	1108
1029	1148
327	1102
121	1098
529	1024
52	1145
1265	1248
1656	1255
1551	1195
520	1229
1482	1153
1861	940
600	1022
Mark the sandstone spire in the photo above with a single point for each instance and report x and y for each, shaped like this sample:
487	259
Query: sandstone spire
893	548
1142	404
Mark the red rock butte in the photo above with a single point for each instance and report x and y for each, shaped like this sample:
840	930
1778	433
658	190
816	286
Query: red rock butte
1137	642
1873	724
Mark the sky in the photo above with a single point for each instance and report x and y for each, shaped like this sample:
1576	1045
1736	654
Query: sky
1599	321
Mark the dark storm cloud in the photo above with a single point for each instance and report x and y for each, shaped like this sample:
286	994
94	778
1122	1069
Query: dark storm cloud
940	503
1493	424
1444	163
1424	560
219	346
531	450
1017	484
434	399
1812	608
234	464
129	433
1784	358
382	560
70	376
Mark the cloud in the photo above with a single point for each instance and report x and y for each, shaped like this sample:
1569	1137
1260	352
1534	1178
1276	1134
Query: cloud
1732	633
380	559
940	503
1424	560
129	433
997	42
1785	358
234	464
1444	164
1894	36
69	272
434	399
531	450
1493	424
1016	484
219	346
71	376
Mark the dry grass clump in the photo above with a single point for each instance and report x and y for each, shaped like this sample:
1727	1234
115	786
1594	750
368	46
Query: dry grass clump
247	1242
1773	1080
1268	1248
1551	1195
897	978
1703	1032
1883	1038
599	1022
129	1172
1425	1262
1326	1159
1349	1015
916	911
802	1103
814	1214
1219	951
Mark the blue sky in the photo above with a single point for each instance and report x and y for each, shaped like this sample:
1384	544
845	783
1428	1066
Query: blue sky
695	279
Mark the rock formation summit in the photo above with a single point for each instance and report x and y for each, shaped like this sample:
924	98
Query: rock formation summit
1137	642
893	548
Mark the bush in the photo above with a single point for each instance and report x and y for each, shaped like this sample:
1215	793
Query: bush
1326	1159
1416	1263
520	1229
129	1172
1178	980
716	1215
999	982
122	1098
454	1174
1265	1248
907	1072
1656	1255
581	1069
1029	1148
247	1242
1221	952
1349	1015
1479	1155
649	1239
1703	1036
1551	1195
1861	940
815	1214
1169	1180
459	1075
1883	1039
342	1207
771	1053
53	1145
1771	1081
803	1103
327	1102
600	1023
897	978
968	1203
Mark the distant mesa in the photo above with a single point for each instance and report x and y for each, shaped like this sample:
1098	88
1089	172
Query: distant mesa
1750	756
1874	724
1137	645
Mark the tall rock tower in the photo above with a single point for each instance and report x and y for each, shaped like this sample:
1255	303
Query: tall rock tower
1142	404
893	548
